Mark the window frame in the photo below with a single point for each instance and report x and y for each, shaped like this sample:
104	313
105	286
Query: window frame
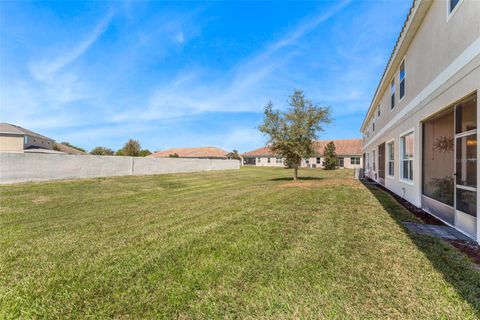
390	142
401	160
451	12
400	80
392	94
353	160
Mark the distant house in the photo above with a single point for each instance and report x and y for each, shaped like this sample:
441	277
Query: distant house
197	153
14	138
349	155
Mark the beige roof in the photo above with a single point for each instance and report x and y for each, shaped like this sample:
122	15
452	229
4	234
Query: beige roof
344	147
199	152
17	130
68	149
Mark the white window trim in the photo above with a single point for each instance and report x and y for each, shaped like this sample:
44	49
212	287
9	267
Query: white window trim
399	80
400	156
388	160
390	95
450	14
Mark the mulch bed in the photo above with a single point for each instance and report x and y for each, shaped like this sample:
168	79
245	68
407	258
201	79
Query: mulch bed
470	248
424	216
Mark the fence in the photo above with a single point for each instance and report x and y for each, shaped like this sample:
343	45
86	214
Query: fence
23	167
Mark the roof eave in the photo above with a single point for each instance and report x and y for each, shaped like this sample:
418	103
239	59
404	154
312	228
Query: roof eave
400	45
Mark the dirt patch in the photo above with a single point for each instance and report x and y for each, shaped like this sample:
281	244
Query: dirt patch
325	182
40	199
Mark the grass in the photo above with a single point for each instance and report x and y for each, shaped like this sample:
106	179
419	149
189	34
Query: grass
233	244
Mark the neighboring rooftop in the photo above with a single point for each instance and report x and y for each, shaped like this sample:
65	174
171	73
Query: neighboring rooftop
7	128
67	149
343	147
199	152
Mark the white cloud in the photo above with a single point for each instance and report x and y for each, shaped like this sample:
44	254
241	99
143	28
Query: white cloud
246	87
44	70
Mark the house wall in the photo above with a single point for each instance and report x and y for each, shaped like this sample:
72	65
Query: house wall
312	162
263	162
442	66
23	167
11	143
32	141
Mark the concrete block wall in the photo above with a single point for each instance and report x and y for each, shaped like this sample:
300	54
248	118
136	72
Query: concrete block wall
24	167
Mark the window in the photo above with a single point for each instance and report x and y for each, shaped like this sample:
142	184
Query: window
340	162
368	161
402	80
268	160
278	160
373	127
258	160
378	112
438	151
307	161
318	160
391	159
392	94
25	139
406	145
452	4
355	160
373	160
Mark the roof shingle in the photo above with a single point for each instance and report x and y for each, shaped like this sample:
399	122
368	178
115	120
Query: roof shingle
344	147
199	152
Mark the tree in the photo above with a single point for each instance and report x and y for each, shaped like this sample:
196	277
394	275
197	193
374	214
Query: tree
329	156
119	152
233	155
173	155
102	151
292	134
144	153
131	148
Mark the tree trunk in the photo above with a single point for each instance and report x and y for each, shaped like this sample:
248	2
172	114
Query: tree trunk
295	173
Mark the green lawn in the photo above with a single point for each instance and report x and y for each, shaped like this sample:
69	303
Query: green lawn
233	244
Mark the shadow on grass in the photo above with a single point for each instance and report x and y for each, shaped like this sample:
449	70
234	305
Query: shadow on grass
299	179
456	268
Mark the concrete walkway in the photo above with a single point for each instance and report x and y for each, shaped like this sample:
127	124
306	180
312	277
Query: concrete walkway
436	231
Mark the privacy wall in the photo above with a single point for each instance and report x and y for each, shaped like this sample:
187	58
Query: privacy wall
23	167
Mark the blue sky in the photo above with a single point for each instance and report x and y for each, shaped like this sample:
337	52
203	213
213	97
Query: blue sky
181	74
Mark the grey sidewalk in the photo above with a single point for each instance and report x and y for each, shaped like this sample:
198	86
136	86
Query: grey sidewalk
436	231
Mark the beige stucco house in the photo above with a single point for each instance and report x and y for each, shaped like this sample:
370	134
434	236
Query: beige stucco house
420	132
14	138
349	155
17	139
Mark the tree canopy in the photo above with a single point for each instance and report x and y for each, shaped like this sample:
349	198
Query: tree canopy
102	151
292	134
330	156
233	155
131	148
